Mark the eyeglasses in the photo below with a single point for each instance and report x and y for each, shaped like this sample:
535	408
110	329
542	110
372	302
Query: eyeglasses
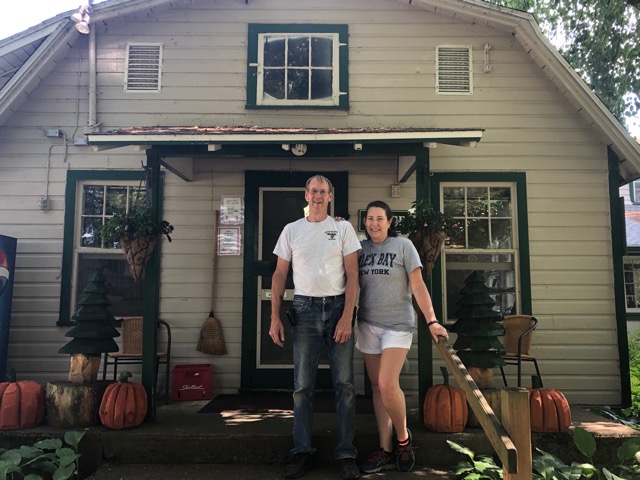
315	192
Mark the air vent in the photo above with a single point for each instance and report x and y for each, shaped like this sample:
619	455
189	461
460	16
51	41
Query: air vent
454	70
144	66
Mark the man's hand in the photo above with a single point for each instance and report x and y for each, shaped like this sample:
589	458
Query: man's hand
343	330
276	331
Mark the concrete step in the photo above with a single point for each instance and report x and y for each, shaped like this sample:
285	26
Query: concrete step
181	436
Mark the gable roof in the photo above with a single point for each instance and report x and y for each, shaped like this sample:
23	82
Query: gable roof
27	57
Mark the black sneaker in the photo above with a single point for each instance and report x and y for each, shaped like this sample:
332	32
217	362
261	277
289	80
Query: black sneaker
348	468
379	460
297	466
405	456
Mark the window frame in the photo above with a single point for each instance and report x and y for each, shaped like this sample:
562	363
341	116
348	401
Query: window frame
73	200
520	234
634	192
632	256
254	70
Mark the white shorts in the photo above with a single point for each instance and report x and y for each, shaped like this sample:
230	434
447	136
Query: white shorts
372	339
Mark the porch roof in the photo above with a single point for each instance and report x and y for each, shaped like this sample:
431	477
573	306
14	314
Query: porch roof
219	135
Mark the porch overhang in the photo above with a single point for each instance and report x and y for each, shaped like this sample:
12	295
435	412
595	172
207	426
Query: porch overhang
220	136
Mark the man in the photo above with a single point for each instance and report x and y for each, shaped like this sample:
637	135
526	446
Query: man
323	253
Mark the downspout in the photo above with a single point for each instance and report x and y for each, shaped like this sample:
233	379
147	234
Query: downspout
92	122
617	252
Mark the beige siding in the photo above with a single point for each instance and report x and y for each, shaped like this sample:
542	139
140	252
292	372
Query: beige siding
529	127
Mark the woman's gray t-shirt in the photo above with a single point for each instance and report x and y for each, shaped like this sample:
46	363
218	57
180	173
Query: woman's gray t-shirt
385	294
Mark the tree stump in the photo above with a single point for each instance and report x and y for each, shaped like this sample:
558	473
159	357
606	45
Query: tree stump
492	395
72	405
83	368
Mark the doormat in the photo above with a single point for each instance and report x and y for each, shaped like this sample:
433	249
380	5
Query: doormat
265	401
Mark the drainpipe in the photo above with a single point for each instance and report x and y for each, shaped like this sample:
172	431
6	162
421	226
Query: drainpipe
92	122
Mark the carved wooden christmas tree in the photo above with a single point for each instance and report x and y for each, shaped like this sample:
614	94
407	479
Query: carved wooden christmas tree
478	329
93	333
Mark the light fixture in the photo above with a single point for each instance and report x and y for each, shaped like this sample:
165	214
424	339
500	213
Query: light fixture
82	19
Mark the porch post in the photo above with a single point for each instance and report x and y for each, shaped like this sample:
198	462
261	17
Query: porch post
151	289
425	344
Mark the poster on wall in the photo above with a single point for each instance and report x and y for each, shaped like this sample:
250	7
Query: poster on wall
228	240
231	210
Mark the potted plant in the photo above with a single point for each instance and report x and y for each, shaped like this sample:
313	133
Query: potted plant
428	228
137	234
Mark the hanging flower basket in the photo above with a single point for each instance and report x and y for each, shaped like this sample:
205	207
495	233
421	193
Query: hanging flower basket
428	228
137	250
138	234
429	245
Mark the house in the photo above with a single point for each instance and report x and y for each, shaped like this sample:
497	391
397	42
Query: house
230	105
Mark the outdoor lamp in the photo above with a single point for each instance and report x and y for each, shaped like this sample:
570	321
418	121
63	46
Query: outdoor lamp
82	19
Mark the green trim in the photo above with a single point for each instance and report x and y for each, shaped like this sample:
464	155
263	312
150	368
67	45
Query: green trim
520	179
274	150
633	317
73	177
265	378
617	251
252	58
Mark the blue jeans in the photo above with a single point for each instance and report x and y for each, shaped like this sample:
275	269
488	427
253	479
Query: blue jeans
317	318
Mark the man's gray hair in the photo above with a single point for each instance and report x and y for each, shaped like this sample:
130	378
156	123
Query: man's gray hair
320	178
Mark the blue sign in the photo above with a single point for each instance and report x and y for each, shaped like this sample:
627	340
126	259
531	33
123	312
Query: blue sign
7	271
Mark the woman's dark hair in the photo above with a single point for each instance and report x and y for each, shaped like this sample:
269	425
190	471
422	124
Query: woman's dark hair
387	211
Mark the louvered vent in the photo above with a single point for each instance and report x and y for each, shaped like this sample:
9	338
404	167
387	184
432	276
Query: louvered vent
144	66
454	70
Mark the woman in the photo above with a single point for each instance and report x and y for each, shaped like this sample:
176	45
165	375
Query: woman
390	271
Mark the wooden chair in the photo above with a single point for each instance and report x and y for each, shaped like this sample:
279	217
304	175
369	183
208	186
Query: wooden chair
517	343
131	351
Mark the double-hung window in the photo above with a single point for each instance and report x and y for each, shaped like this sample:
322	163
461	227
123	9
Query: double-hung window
489	243
297	66
91	199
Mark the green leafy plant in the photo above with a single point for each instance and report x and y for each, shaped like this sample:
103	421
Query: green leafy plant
481	466
549	467
423	216
46	459
138	222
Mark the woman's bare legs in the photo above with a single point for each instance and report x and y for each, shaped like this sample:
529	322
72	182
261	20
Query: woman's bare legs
388	398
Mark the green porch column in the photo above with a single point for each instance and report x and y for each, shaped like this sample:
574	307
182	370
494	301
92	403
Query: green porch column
618	244
425	344
151	292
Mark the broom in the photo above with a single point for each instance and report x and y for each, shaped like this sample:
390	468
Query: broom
211	340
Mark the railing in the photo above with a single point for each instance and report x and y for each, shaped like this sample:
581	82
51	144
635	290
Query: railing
511	438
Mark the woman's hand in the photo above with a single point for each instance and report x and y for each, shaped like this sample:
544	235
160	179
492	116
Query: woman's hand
437	330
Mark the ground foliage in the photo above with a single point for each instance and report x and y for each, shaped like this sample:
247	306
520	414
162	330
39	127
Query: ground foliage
600	39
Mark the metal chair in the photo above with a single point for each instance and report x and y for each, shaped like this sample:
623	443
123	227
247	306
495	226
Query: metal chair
131	351
517	343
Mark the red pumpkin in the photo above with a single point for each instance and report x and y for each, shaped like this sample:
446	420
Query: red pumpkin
445	407
21	403
549	410
124	404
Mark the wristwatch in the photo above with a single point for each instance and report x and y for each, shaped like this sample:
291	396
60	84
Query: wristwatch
432	322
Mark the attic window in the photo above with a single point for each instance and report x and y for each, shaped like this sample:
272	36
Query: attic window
454	69
297	66
143	67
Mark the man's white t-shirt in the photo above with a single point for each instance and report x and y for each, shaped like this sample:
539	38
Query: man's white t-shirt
316	251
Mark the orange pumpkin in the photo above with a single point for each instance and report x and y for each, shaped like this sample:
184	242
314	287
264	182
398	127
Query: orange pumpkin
445	407
124	404
22	403
549	409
